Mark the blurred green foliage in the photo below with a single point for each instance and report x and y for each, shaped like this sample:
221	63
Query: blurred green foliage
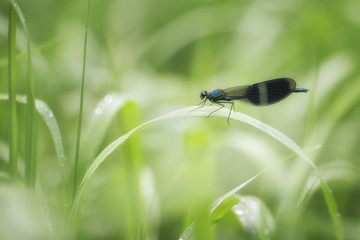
159	55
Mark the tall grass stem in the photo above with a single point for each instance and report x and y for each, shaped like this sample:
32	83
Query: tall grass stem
13	132
78	136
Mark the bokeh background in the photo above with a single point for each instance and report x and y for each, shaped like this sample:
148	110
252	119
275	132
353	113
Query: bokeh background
159	55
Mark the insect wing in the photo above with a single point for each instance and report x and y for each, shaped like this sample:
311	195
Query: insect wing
269	92
235	93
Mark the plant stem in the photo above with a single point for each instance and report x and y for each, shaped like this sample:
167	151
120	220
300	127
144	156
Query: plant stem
77	150
13	138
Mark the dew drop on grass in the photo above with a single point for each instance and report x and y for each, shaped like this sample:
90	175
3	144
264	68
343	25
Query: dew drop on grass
62	164
239	212
98	111
108	99
50	226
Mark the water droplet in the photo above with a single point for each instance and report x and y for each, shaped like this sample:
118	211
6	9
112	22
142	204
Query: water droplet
51	114
108	99
99	111
51	228
239	212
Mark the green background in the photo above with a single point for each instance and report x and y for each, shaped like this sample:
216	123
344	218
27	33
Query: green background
159	55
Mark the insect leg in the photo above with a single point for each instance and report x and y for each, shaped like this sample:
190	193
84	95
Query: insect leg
202	105
232	106
222	105
218	103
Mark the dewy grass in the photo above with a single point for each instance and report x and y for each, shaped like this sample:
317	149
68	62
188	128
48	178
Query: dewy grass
159	51
95	130
186	112
78	135
48	116
225	203
30	142
13	133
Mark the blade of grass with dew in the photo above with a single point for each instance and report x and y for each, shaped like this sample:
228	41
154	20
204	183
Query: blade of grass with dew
330	201
222	208
50	120
78	135
13	136
48	116
184	112
94	132
30	142
219	210
254	216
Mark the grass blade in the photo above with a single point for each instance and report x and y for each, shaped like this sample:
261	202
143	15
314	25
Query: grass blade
184	112
13	135
50	120
30	142
333	210
94	132
78	136
222	208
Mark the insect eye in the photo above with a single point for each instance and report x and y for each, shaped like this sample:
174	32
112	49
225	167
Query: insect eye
203	94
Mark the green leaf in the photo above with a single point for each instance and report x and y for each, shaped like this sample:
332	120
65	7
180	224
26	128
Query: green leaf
333	210
254	216
222	208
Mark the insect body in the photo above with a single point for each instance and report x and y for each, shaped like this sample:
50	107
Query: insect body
259	94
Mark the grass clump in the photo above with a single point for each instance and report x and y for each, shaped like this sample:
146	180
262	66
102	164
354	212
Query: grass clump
289	172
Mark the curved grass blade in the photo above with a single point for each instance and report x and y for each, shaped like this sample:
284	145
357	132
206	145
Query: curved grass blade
333	209
222	208
184	112
94	132
225	198
50	120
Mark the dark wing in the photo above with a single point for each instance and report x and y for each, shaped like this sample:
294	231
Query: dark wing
269	92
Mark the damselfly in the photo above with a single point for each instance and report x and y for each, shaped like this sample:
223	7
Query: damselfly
259	94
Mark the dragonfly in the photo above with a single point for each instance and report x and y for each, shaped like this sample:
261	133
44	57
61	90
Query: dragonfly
258	94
